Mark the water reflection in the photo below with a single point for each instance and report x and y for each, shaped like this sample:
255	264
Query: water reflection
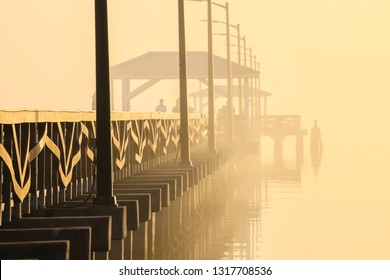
276	209
228	226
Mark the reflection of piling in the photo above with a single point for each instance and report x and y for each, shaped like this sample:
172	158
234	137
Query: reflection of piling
316	145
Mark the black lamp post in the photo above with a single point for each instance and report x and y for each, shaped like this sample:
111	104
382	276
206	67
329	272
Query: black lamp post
184	132
211	111
104	194
211	139
229	76
239	63
240	97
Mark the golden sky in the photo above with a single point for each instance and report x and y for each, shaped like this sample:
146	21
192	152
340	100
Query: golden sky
324	59
316	56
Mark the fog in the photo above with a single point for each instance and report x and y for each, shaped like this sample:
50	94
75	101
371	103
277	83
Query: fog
318	58
324	60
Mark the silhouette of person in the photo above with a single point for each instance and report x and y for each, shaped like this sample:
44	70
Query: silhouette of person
161	107
176	108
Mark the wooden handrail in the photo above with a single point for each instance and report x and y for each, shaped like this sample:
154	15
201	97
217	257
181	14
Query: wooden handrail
27	116
48	156
281	120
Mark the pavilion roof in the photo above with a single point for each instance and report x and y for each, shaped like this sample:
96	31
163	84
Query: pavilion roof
165	65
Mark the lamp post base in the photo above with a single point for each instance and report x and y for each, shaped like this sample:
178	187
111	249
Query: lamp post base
105	201
186	163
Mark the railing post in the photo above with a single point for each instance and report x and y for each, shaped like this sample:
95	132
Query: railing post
1	176
6	184
34	165
24	146
104	194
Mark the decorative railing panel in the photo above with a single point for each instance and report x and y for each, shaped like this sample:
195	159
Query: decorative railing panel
48	157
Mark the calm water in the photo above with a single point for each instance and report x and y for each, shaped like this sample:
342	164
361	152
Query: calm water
280	209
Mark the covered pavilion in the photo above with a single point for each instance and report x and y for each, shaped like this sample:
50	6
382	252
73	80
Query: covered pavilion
221	91
157	66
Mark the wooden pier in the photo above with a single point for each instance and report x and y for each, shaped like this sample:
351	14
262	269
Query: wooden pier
278	127
48	182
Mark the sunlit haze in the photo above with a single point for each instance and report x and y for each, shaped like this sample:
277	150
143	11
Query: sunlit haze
324	60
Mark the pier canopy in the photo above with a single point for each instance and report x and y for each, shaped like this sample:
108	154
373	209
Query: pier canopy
157	66
165	65
221	91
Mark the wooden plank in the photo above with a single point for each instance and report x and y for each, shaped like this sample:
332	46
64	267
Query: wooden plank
41	250
79	237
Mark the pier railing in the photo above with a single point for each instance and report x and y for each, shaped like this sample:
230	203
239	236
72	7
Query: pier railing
280	121
48	157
